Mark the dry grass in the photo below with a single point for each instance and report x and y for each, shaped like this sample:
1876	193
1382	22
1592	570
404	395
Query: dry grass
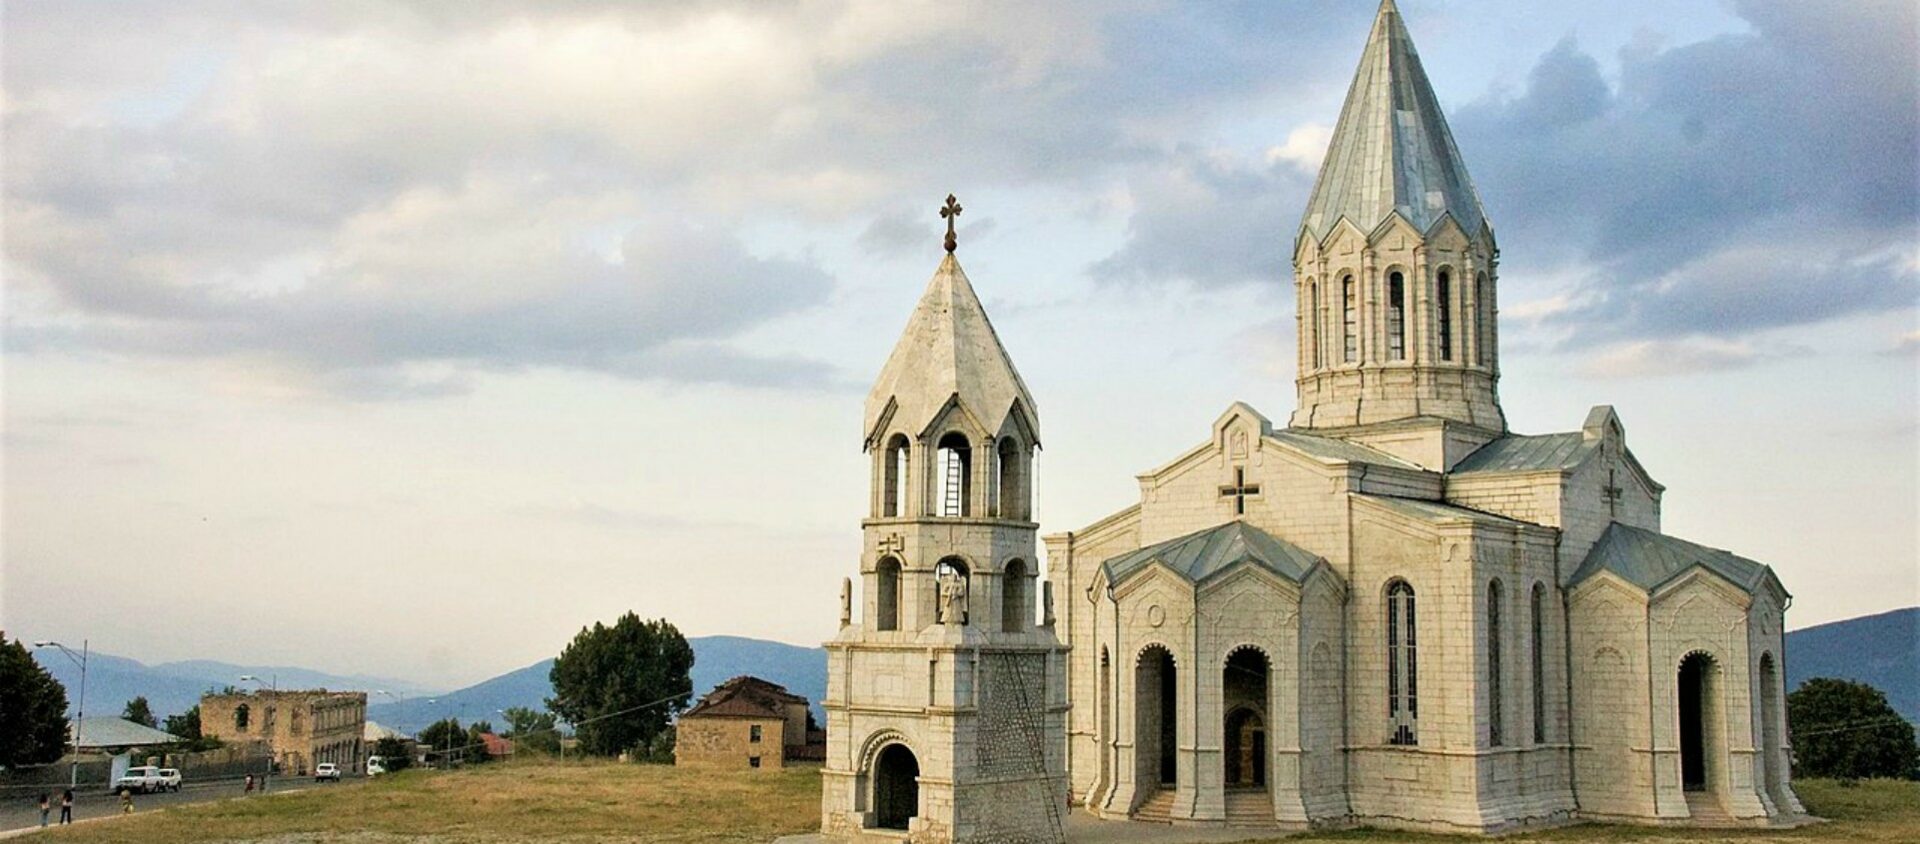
651	804
554	802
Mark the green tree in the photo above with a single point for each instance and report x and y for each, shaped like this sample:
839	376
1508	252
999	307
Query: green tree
33	709
445	740
621	685
477	742
532	731
185	725
393	753
1846	729
139	712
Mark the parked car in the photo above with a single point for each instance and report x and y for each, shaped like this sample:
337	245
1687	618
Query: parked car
326	771
147	779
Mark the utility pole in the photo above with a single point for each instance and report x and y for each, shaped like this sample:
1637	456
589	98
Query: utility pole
79	707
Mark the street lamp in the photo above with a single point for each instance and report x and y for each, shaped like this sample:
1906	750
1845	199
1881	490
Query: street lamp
80	707
275	686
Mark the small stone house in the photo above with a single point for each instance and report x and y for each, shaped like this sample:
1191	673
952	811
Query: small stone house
745	722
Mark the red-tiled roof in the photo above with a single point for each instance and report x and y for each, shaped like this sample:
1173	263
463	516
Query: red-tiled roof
745	697
496	746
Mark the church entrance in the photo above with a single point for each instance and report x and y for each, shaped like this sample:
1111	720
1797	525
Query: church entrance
1156	718
896	787
1697	707
1244	684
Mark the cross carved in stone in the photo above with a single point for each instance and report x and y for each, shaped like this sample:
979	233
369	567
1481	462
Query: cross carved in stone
951	213
892	543
1239	491
1613	493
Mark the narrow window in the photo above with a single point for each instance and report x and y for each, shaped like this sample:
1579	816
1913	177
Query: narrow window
1350	321
1313	321
887	601
1396	316
1443	296
1482	320
896	486
1495	722
1539	668
753	733
1015	608
1014	500
242	717
753	761
1403	689
956	476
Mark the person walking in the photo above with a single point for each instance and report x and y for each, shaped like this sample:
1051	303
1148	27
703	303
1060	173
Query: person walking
66	806
249	784
46	808
126	801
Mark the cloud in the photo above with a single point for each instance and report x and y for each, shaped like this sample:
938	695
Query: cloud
1206	218
1645	358
1734	185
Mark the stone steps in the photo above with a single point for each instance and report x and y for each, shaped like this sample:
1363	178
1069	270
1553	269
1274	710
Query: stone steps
1157	809
1249	807
1706	810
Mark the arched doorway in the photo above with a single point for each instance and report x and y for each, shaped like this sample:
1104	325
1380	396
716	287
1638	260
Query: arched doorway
1244	685
896	787
1698	709
1155	719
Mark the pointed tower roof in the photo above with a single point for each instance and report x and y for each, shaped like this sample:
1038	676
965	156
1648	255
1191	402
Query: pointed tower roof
1392	150
949	352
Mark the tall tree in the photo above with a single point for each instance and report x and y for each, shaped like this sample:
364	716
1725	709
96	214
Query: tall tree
531	730
445	740
621	685
1846	729
393	754
33	709
139	712
185	725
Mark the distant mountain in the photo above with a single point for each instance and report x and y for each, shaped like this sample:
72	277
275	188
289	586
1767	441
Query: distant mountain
174	687
715	658
1880	650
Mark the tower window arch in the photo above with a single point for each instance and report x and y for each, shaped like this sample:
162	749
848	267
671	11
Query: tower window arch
894	491
955	482
1313	322
1396	316
1016	609
242	717
1539	665
1482	320
1443	305
953	587
1403	683
1349	321
886	584
1010	482
1496	722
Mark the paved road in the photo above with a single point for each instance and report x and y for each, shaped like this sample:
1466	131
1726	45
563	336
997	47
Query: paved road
21	811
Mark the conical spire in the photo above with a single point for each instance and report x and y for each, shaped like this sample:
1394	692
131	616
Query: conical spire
1392	150
948	351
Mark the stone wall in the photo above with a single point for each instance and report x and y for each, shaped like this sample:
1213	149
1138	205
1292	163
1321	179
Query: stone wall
728	742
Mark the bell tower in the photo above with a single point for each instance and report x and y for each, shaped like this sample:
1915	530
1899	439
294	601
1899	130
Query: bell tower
946	700
1395	266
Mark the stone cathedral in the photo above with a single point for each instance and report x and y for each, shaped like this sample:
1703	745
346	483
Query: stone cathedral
1390	611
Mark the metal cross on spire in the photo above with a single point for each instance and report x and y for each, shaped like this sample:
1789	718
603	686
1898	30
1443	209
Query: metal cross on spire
951	213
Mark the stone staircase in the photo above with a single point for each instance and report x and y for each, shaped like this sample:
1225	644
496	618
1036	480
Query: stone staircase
1249	807
1157	809
1706	810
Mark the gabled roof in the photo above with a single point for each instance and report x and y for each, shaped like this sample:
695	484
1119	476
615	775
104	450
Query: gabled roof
1544	452
1203	554
949	350
1648	560
103	731
1392	150
1331	448
745	697
375	731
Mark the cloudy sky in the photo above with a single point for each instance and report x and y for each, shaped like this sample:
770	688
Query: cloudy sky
408	338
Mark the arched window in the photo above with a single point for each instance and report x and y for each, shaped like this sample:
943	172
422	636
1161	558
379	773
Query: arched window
1396	316
1313	321
1482	320
1349	320
1539	666
952	591
1015	608
895	504
1012	482
1443	303
1495	703
1403	669
242	717
293	723
955	491
886	584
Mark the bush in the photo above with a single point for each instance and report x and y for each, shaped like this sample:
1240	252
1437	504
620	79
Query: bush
1844	729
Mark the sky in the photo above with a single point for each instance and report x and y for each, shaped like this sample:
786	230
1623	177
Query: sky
408	338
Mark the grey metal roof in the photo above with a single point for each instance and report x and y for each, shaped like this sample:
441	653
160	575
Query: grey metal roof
1434	511
1392	150
1329	448
1648	559
103	731
1203	554
1530	454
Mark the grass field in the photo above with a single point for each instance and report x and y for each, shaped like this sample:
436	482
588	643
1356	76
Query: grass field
655	804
